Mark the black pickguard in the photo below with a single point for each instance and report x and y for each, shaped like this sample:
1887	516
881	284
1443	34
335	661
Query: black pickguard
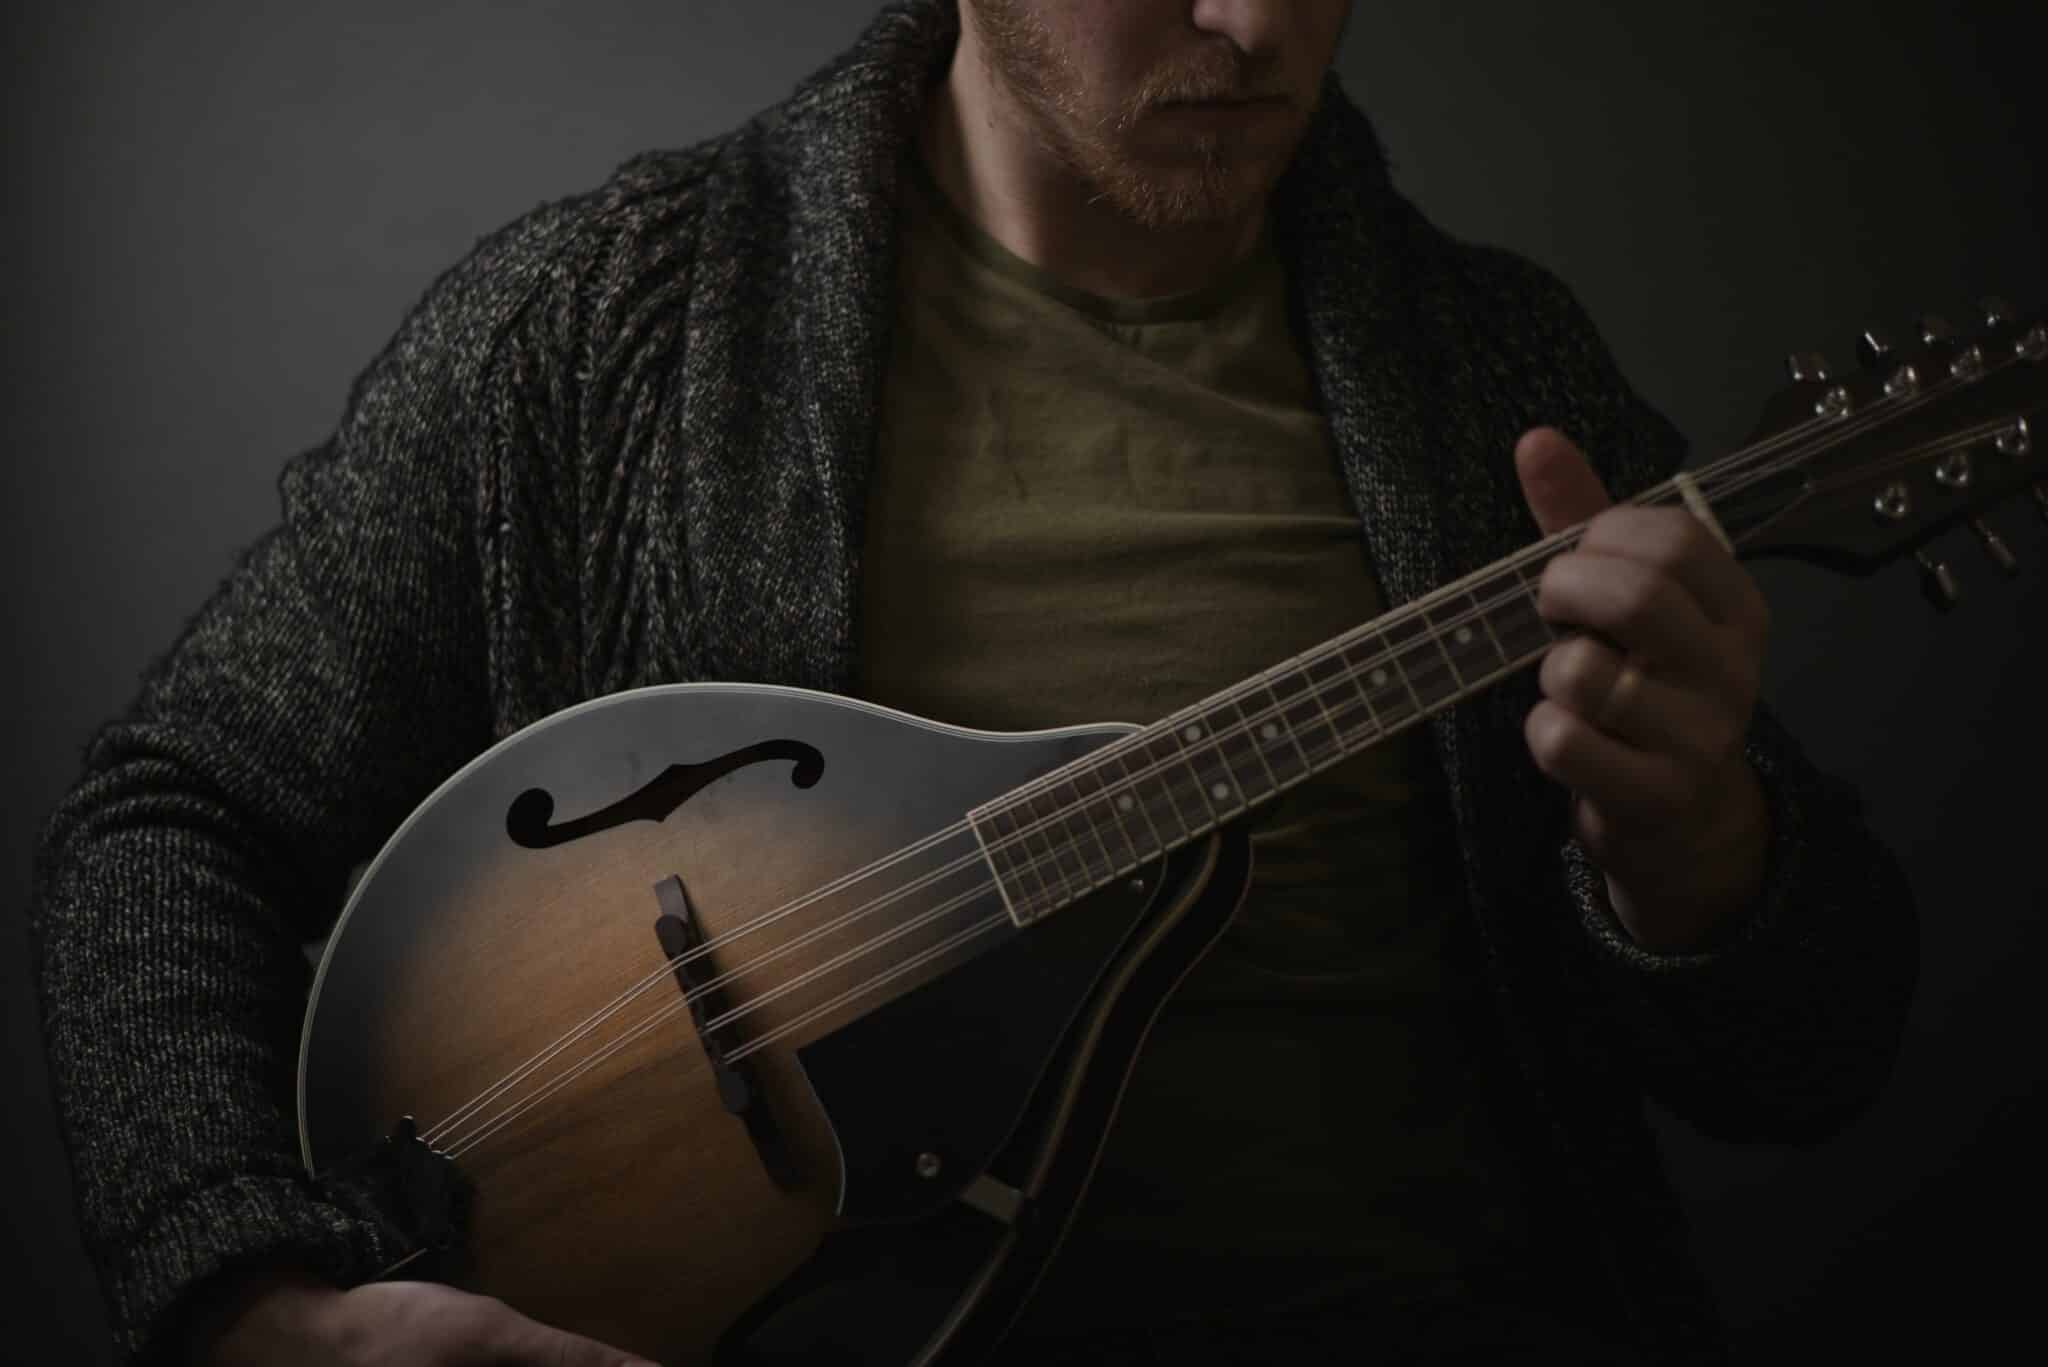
945	1071
879	1290
526	820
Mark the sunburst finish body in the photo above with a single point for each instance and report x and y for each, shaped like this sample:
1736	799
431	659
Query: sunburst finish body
936	1081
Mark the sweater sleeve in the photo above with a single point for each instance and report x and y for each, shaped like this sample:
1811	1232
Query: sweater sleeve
334	677
1788	1025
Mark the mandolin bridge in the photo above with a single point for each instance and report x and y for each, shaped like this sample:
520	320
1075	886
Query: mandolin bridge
737	1090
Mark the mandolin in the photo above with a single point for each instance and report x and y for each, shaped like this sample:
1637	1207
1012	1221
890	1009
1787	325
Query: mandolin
680	1020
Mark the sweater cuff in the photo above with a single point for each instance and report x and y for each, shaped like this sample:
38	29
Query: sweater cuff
1746	933
244	1223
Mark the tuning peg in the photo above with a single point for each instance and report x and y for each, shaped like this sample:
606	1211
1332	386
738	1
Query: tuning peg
1994	309
1934	328
2041	499
1937	583
2000	554
1874	347
1807	365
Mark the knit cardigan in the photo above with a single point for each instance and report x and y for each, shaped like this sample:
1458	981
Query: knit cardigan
623	442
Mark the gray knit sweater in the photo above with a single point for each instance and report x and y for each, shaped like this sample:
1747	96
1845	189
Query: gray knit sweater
624	442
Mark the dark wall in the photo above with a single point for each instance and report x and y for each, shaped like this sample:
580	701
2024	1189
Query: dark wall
218	212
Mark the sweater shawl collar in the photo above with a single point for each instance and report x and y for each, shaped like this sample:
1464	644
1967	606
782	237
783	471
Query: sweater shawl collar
833	154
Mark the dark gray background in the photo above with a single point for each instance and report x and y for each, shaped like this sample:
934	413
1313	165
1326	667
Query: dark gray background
217	213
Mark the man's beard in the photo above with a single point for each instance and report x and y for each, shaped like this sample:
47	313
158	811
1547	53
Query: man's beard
1217	179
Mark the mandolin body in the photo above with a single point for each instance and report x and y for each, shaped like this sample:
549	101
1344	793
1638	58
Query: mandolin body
861	1136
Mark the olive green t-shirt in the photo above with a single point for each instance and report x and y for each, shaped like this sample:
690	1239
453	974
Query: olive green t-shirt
1089	510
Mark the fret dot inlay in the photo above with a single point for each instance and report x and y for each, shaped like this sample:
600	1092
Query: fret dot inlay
1270	731
1125	802
1193	733
1464	636
1221	790
1379	678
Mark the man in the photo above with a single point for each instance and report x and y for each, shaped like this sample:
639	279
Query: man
1052	320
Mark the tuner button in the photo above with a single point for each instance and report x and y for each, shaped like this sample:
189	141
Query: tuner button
1937	582
1935	329
2000	554
1995	310
1807	365
1874	346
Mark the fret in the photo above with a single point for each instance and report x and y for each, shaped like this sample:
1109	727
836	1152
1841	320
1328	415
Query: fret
1420	662
1159	755
1022	881
1218	789
1074	811
1280	744
1237	746
1460	630
1088	781
1141	794
1305	717
1380	679
1349	716
1522	630
1047	844
1488	598
1357	678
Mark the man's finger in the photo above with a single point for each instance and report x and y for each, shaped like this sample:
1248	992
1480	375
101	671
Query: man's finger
1557	481
533	1344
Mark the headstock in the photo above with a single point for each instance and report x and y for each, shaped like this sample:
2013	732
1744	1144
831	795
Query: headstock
1931	429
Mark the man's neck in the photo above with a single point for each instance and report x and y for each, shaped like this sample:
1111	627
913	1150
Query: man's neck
986	156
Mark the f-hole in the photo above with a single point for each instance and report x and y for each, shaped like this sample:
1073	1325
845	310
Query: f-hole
526	820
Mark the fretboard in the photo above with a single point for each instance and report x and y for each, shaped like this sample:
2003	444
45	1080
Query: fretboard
1118	808
1932	435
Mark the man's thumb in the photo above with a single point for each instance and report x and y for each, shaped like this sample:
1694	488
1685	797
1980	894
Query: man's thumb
1557	481
543	1345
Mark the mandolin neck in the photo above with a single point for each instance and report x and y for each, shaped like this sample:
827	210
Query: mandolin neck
1098	818
1857	471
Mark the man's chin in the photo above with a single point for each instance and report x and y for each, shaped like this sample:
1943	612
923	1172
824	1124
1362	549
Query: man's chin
1185	197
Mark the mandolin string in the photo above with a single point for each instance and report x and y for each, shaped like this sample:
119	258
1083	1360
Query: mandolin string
1737	471
899	893
1720	479
969	861
869	984
1752	456
666	971
674	1008
1904	456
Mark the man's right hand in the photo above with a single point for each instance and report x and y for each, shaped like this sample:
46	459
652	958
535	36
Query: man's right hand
296	1319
